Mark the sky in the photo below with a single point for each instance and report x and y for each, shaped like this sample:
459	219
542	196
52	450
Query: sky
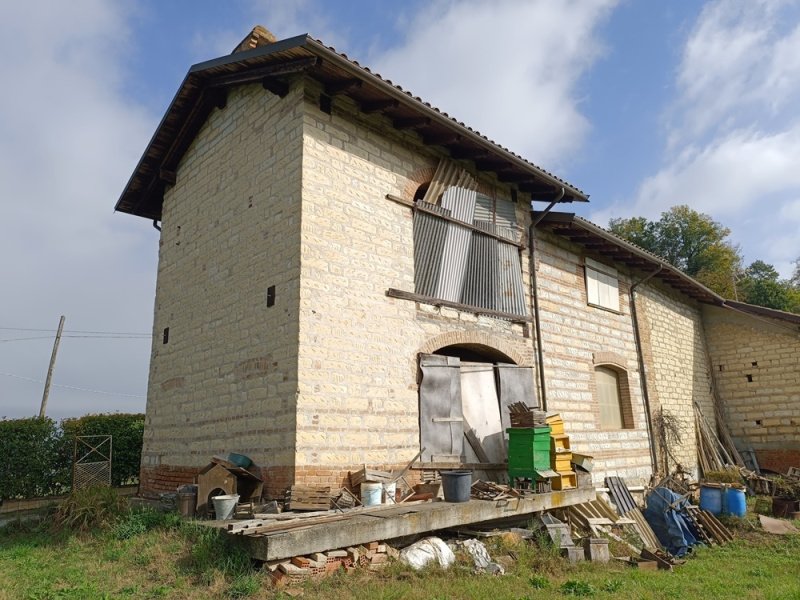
644	105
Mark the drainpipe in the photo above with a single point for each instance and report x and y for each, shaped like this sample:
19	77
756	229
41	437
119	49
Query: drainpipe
535	293
640	356
156	225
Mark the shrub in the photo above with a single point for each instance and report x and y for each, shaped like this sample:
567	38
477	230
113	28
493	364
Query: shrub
91	508
29	466
126	431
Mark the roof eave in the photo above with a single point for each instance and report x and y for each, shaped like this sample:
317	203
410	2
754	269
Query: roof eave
135	200
703	294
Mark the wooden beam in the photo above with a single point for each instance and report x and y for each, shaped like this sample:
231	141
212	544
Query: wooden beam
403	295
219	96
420	206
443	138
342	87
469	153
412	123
378	106
277	86
490	165
167	176
252	75
537	188
512	176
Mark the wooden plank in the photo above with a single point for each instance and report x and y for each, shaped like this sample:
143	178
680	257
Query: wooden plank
444	466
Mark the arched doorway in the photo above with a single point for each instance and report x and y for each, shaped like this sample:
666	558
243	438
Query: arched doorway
464	394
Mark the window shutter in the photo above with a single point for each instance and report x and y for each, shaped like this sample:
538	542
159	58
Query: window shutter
441	425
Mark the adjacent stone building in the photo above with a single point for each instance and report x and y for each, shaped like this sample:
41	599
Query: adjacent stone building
348	276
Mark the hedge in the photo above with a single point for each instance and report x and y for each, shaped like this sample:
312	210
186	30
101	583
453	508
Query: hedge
36	453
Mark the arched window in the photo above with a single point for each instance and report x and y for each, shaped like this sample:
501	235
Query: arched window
613	398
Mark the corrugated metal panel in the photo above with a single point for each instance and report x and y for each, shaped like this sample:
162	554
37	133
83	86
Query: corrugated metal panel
480	283
497	211
506	213
511	294
461	203
484	209
448	174
429	237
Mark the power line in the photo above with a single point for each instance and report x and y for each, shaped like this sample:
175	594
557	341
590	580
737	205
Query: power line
72	387
94	337
79	331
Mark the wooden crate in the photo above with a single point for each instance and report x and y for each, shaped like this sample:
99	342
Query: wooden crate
565	481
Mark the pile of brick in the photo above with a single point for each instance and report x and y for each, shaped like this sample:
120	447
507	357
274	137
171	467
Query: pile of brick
371	556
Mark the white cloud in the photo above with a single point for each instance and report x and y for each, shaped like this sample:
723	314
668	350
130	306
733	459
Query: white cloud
69	140
509	69
733	137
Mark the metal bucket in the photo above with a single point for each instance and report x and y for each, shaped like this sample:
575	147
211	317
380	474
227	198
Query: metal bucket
224	506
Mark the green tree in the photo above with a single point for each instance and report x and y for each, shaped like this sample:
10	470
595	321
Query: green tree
761	285
689	240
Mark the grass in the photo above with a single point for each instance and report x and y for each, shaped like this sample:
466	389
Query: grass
151	555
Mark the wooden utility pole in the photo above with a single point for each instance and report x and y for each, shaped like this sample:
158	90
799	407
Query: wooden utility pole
43	408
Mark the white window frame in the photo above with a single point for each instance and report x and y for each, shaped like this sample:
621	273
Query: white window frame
602	285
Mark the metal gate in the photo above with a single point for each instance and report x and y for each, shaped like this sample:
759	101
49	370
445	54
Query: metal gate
91	464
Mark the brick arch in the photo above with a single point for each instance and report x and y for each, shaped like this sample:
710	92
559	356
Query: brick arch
477	338
610	359
416	179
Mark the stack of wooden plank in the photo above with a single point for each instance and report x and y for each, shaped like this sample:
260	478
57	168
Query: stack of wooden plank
301	497
486	490
711	530
627	507
522	415
561	455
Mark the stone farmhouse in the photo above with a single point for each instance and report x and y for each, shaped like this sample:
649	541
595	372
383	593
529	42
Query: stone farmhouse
348	276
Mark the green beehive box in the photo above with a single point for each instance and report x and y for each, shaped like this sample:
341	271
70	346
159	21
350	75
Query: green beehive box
528	451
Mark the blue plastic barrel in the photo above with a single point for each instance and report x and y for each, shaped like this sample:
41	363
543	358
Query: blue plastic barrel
711	499
734	502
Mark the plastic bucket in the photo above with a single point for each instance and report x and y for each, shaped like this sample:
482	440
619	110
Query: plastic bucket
734	502
224	506
371	493
389	492
711	499
456	485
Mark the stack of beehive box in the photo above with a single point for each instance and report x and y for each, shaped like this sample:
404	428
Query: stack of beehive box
560	455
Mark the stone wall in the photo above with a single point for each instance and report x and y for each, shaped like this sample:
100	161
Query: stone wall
677	370
578	337
226	378
756	366
358	402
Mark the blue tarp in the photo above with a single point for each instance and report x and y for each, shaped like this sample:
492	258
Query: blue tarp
663	513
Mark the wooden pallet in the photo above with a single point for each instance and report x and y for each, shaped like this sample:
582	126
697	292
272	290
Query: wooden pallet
300	497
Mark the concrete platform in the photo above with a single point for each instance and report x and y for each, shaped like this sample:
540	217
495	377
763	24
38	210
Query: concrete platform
361	527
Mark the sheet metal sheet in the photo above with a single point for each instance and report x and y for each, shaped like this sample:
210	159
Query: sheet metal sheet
429	239
461	203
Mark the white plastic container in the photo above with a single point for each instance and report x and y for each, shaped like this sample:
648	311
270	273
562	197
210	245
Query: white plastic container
371	493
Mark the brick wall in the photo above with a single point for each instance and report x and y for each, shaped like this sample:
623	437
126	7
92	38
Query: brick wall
677	368
227	378
756	366
357	394
577	338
